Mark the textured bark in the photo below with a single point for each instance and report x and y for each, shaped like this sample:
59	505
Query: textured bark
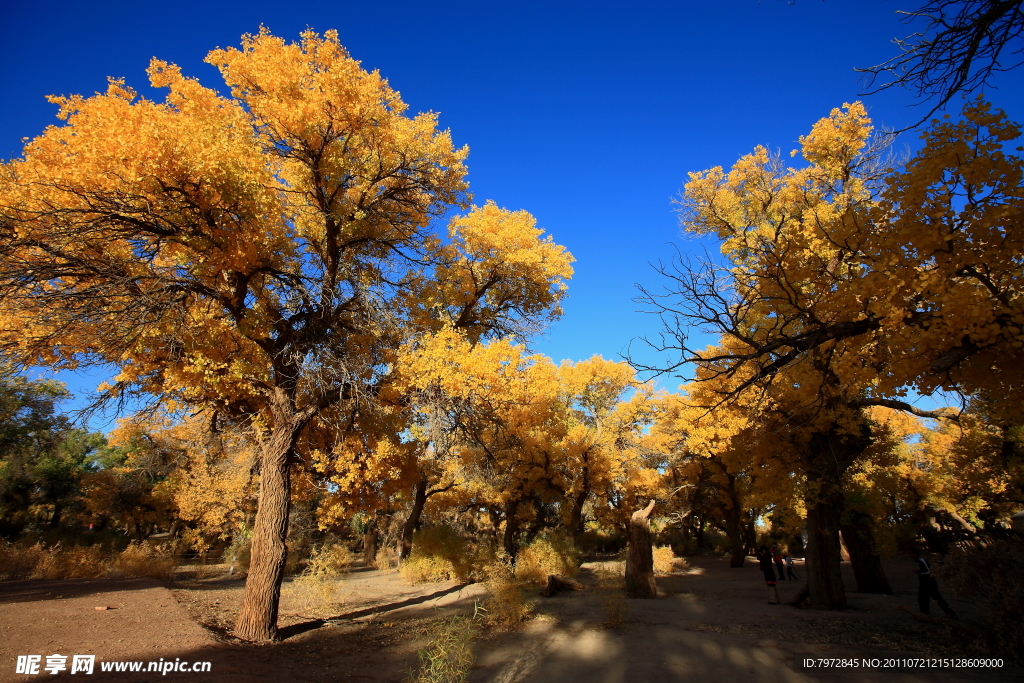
867	565
824	579
640	556
413	522
257	618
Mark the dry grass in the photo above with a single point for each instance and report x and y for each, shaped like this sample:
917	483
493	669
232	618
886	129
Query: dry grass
665	561
387	560
39	562
142	559
448	657
317	590
611	592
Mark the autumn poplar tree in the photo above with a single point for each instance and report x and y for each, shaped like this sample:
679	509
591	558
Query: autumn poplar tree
261	254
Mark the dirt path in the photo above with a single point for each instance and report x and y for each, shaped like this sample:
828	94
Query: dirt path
713	623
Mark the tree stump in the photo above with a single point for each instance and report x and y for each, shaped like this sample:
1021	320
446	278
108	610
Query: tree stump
640	556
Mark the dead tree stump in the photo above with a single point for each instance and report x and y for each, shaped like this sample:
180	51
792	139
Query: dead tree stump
640	556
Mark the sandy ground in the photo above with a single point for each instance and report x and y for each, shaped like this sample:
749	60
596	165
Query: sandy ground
712	623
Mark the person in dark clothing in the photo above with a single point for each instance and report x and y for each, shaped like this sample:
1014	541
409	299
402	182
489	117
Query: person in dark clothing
780	567
927	588
764	559
789	568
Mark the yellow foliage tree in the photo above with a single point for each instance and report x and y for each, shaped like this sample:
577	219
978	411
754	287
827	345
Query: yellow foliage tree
262	254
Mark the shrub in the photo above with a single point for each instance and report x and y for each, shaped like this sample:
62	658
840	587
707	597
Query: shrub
142	559
70	563
448	657
506	606
238	554
548	553
438	554
387	559
329	560
992	575
665	561
18	562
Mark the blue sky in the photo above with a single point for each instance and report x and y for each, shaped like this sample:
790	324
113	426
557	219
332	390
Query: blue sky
588	115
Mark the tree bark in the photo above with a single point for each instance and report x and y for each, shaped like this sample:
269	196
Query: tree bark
257	618
640	556
860	542
413	522
824	578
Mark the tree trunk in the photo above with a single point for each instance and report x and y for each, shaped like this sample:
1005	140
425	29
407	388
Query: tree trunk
576	514
640	556
733	518
257	618
734	529
509	539
860	542
413	523
824	578
749	535
370	544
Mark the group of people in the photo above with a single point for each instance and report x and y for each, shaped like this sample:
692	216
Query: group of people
769	560
927	588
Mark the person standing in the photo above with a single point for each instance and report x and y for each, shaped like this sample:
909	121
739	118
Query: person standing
779	566
789	568
927	587
764	559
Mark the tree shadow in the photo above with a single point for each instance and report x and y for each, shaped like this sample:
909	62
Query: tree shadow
297	629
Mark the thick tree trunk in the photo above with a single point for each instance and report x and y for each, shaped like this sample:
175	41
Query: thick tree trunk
734	530
576	513
824	578
257	619
640	556
413	522
860	542
511	523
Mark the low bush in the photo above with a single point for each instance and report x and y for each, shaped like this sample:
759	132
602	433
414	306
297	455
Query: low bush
506	606
142	559
438	554
387	559
665	561
329	560
548	553
69	563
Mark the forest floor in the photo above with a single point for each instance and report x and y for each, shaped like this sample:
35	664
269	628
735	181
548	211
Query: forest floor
711	622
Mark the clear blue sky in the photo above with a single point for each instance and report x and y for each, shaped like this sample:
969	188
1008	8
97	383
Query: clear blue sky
588	115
